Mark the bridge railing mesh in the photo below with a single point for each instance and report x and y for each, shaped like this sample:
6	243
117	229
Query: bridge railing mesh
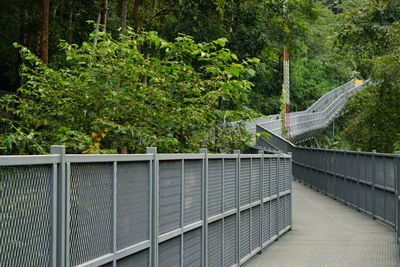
367	181
142	210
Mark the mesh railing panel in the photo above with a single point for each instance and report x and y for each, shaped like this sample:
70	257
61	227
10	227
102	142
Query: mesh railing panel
170	252
26	216
229	184
245	183
170	195
91	211
133	203
215	252
229	240
192	248
138	259
214	187
192	191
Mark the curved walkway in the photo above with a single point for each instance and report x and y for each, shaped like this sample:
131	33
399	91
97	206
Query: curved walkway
327	233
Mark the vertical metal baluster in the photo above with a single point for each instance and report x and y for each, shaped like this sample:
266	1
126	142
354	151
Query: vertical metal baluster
154	199
237	206
114	214
205	208
61	206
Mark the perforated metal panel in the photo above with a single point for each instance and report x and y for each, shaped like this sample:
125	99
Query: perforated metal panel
266	222
91	211
273	177
390	172
244	233
288	210
390	208
139	259
229	184
229	240
288	175
245	181
379	171
215	244
266	178
170	253
255	227
192	248
214	187
192	191
282	175
255	179
25	216
133	203
282	221
170	195
273	217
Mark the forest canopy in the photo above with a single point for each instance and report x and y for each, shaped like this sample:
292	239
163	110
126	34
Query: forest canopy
330	42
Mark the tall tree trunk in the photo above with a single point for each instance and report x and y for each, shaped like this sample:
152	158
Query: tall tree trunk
44	37
136	14
70	29
97	27
105	14
124	15
155	2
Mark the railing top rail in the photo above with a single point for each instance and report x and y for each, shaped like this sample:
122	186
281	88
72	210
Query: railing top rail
29	160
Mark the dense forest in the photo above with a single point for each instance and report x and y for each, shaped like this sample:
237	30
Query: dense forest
119	75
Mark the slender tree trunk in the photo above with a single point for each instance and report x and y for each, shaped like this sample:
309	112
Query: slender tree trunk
124	15
55	10
44	37
97	28
105	14
136	14
70	29
155	3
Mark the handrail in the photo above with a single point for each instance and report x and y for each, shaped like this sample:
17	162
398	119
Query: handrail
319	115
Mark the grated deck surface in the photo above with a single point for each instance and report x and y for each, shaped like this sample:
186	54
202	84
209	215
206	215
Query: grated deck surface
327	233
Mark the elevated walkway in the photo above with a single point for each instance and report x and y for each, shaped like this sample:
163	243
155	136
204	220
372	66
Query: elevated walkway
327	233
305	124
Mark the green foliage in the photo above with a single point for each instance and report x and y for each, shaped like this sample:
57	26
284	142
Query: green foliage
374	38
137	91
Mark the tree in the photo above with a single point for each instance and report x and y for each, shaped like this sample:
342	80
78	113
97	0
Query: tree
44	38
192	92
374	39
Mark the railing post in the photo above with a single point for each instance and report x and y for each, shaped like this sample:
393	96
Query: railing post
154	195
373	185
278	195
237	206
205	207
290	188
345	172
335	191
60	223
114	214
397	197
358	180
261	198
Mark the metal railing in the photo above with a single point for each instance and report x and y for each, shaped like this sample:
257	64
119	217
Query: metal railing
367	181
304	124
143	210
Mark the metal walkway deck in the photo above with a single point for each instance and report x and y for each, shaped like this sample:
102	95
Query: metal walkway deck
327	233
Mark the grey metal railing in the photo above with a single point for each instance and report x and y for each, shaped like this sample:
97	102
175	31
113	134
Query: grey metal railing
142	210
304	124
367	181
